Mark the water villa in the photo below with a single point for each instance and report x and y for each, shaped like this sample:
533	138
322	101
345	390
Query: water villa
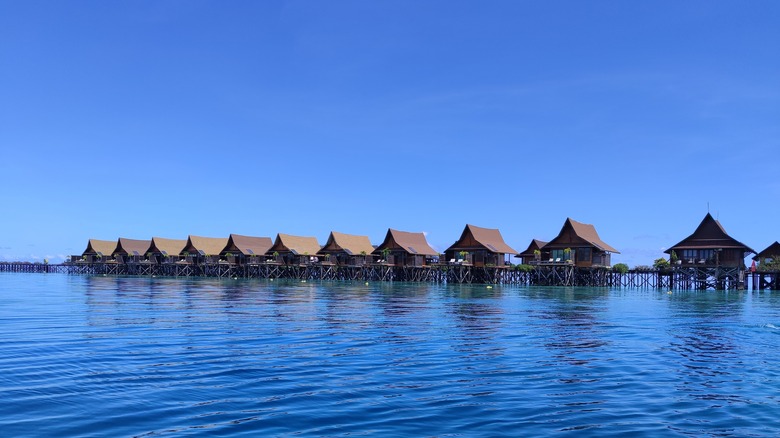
708	258
130	250
770	254
579	244
347	250
480	247
96	251
243	250
535	253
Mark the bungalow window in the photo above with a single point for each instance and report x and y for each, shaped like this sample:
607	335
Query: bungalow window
583	254
560	255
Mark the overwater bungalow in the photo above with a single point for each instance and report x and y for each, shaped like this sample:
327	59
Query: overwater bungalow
347	250
97	251
710	245
480	247
165	251
402	248
768	255
130	250
203	250
294	250
579	244
243	250
534	253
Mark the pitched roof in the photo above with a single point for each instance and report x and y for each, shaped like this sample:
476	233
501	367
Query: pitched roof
487	238
208	245
297	245
348	243
584	232
413	243
104	247
171	247
535	244
248	245
772	250
709	235
132	246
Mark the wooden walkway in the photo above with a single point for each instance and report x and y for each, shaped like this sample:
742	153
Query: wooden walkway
696	278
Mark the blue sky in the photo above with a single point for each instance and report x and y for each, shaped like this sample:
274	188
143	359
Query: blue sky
168	118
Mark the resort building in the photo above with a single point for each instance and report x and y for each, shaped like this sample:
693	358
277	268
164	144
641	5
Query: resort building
770	254
165	251
97	250
130	250
402	248
534	253
242	250
347	250
480	247
294	250
709	245
203	250
579	244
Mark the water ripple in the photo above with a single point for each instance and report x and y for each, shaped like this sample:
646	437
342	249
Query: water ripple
102	356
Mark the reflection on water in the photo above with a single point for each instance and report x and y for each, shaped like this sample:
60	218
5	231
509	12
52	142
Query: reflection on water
162	356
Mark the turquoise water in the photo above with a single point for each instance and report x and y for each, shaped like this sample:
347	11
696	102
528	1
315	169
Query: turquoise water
102	356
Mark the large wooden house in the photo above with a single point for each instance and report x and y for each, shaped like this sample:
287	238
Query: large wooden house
768	255
347	250
203	250
402	248
294	250
710	245
130	250
243	250
535	253
480	247
580	244
165	251
98	251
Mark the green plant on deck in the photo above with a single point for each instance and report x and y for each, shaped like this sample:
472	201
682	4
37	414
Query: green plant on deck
537	254
620	268
385	253
673	257
770	265
661	263
463	255
567	254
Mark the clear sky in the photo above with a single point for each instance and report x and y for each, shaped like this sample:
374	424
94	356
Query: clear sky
168	118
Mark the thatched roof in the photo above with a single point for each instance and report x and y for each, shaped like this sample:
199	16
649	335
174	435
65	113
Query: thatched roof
574	232
205	245
296	245
248	245
102	247
534	245
475	238
132	246
412	243
709	235
169	247
347	243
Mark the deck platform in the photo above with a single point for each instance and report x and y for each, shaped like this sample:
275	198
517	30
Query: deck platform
547	274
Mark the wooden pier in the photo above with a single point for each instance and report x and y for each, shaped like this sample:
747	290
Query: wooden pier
695	278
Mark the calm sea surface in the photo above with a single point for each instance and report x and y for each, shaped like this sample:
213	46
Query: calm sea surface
104	356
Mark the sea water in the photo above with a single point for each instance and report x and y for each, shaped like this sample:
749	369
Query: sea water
114	356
